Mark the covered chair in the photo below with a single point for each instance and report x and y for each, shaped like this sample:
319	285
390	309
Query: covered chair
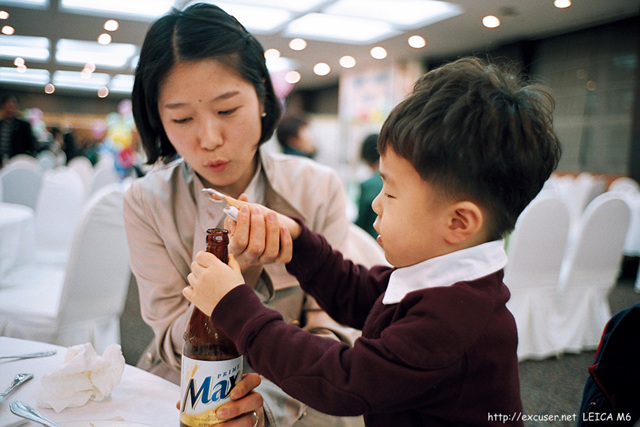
57	214
21	185
589	271
535	251
82	302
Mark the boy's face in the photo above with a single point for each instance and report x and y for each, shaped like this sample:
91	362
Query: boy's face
411	218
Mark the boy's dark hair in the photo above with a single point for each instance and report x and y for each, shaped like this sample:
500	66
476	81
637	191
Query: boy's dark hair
369	149
201	31
288	128
477	133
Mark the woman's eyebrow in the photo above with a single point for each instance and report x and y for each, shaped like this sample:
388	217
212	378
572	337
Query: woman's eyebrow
221	97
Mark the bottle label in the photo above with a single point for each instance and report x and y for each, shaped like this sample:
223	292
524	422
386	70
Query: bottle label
205	385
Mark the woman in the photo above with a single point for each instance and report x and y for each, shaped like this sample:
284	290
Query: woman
203	104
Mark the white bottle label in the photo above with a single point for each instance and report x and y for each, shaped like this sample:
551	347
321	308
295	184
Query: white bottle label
205	385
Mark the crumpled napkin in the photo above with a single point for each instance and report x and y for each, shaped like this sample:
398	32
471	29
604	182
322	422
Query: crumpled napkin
82	377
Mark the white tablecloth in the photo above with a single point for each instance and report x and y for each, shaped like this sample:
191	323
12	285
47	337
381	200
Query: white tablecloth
17	236
140	397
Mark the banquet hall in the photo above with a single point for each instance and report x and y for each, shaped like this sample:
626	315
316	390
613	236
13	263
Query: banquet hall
341	65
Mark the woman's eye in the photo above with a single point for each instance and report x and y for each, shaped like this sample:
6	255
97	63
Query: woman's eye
179	121
227	112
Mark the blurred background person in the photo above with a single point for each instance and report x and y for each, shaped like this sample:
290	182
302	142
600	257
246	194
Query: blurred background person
294	136
370	187
16	136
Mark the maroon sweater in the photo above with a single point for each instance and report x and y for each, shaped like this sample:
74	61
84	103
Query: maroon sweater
443	356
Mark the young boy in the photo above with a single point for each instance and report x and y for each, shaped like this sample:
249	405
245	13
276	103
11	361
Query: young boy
460	159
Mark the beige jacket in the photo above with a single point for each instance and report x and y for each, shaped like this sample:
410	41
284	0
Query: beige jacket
166	218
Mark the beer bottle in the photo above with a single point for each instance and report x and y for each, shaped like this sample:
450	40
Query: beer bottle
211	364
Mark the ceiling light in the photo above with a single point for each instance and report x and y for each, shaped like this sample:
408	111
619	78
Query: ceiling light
89	67
347	61
103	92
319	26
18	61
29	48
292	77
491	21
298	44
322	68
561	4
4	14
22	68
417	42
30	77
122	83
271	54
294	5
76	52
378	52
257	19
8	30
74	80
32	4
148	9
111	25
401	13
49	88
104	39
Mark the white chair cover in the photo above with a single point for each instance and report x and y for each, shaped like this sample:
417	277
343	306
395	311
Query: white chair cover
535	250
103	176
82	302
21	185
23	161
57	213
589	271
84	168
625	184
47	159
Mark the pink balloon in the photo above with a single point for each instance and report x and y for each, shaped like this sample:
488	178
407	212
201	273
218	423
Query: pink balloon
280	86
99	129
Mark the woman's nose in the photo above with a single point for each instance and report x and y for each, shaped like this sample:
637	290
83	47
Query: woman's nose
210	134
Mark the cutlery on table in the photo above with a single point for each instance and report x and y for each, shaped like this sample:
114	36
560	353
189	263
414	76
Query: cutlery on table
30	355
19	379
23	410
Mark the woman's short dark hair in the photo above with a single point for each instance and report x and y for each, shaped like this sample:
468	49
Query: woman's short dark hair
201	31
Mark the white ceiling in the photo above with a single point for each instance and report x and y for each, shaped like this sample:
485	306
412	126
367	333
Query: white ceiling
460	33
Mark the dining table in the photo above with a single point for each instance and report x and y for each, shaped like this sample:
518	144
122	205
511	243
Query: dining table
139	399
17	236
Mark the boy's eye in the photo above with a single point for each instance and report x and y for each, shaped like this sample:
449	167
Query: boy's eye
389	196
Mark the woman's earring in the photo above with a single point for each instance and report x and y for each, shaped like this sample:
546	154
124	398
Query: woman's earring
264	114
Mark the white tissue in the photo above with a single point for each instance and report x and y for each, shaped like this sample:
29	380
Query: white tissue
82	377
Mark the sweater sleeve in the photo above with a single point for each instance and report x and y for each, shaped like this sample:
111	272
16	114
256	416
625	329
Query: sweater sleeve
345	290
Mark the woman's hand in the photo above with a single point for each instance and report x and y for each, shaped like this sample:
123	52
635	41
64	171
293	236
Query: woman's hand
210	280
245	408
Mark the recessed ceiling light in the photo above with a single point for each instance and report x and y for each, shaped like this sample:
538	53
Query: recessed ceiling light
321	69
298	44
49	88
8	30
491	21
257	19
562	4
111	25
76	52
378	52
292	77
103	92
271	54
18	61
104	39
320	26
417	42
22	68
4	14
348	61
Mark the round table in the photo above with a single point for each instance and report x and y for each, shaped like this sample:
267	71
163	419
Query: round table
140	397
17	236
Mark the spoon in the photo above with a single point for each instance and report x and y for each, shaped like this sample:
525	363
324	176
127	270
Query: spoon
19	379
30	355
23	410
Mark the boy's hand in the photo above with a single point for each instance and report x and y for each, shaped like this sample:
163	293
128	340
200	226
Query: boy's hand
211	280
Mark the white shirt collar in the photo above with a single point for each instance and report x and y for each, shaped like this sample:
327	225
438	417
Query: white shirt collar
467	264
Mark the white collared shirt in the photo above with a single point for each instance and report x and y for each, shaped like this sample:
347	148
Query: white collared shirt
464	265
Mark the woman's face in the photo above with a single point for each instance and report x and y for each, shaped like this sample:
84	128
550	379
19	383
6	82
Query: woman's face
212	116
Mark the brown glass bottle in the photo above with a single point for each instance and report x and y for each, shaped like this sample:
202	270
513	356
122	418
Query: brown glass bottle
211	364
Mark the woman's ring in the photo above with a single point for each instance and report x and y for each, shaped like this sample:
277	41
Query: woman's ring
255	415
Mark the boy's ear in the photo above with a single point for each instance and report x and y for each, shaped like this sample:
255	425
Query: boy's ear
465	223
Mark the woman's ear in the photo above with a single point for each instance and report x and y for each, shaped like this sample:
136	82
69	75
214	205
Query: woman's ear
465	223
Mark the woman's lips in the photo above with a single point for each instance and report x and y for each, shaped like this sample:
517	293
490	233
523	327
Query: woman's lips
218	166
